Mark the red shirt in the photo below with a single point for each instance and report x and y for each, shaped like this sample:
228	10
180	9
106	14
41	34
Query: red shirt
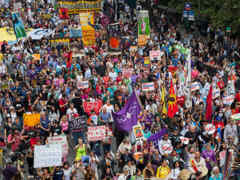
62	102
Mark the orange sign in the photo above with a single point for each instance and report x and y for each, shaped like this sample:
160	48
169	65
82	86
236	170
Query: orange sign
142	40
31	120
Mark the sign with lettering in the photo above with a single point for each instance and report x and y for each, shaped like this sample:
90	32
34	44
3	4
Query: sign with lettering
155	55
62	139
31	120
92	106
47	155
82	84
77	124
96	133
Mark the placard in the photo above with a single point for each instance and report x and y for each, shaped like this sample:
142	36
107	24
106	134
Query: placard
92	106
146	60
148	86
228	100
78	124
133	48
195	86
137	131
96	133
155	55
127	72
210	129
36	57
82	84
142	40
62	140
31	120
47	155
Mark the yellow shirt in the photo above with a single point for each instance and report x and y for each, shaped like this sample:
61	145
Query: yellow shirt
163	172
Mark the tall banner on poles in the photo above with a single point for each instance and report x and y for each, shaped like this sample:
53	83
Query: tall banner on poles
88	31
143	27
143	23
18	25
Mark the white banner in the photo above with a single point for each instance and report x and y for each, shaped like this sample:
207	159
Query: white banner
40	33
96	133
47	155
62	139
156	55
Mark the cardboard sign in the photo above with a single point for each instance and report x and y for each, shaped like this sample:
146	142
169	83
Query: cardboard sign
31	120
82	84
142	40
127	72
148	86
96	133
195	86
137	131
228	100
155	55
146	60
78	124
210	129
47	155
92	106
36	57
62	140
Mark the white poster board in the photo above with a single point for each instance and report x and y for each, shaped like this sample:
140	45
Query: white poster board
62	139
96	133
47	155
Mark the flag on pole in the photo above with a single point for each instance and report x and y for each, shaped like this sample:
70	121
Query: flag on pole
208	114
164	109
127	117
172	102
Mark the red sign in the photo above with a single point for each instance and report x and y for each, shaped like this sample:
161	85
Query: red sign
92	106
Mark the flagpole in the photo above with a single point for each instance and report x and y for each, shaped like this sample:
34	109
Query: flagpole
189	76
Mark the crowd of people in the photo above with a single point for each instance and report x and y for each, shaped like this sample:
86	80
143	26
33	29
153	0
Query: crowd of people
197	146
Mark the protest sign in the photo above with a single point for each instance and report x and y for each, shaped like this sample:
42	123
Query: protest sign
75	7
167	148
133	48
155	55
62	140
195	86
228	100
47	155
82	84
63	41
36	57
77	124
31	120
127	72
210	129
92	106
96	133
88	31
146	60
143	23
142	40
75	33
17	6
148	86
138	132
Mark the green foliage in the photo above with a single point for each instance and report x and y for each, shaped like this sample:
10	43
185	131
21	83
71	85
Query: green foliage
221	13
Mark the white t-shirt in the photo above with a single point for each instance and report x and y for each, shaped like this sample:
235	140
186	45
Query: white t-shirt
67	173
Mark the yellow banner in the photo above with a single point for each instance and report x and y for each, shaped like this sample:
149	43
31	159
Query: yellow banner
88	32
82	5
31	120
55	42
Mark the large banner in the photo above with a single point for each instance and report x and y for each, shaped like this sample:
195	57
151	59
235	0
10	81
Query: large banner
62	41
76	6
47	155
143	23
88	31
18	25
114	39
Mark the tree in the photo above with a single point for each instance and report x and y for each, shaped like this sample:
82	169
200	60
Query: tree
221	13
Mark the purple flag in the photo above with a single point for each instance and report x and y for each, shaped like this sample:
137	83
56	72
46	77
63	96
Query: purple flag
127	117
156	137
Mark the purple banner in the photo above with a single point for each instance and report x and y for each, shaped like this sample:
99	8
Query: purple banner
127	117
